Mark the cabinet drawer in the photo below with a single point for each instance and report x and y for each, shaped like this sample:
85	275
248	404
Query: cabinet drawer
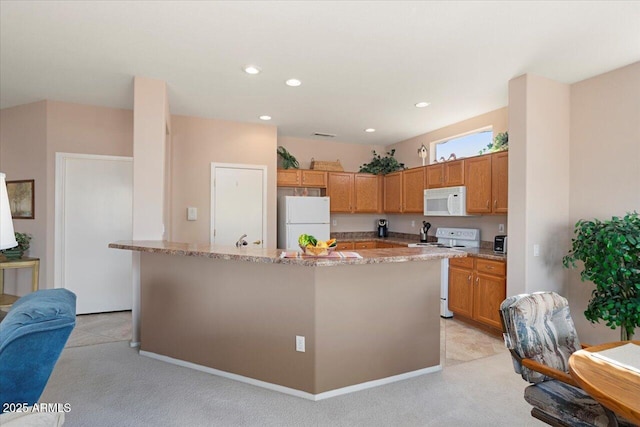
381	245
365	245
344	246
461	262
497	268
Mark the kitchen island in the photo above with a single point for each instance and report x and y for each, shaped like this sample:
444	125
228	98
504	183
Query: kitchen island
237	312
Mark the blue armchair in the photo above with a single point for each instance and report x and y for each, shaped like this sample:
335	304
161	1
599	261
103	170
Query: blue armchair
32	337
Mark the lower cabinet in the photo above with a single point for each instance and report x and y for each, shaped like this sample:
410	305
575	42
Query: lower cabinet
344	246
365	245
476	288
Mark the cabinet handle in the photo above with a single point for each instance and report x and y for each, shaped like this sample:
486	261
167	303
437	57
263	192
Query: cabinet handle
488	204
495	204
469	279
489	267
477	280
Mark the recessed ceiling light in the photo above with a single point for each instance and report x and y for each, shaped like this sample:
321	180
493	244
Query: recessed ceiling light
369	130
422	104
265	117
252	69
293	82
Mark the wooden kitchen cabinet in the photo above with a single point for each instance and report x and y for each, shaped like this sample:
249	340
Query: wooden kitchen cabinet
301	178
478	177
477	287
500	182
354	192
488	183
370	244
393	192
344	246
413	190
367	193
448	174
340	191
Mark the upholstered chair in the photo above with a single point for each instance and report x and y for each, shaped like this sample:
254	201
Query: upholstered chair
539	332
32	337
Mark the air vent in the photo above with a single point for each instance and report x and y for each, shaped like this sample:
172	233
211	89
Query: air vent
325	135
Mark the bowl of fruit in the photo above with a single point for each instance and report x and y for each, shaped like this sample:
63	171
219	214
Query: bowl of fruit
314	247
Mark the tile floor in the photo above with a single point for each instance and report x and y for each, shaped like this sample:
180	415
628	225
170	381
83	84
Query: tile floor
459	342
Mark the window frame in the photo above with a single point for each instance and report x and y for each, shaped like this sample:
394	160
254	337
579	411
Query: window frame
432	145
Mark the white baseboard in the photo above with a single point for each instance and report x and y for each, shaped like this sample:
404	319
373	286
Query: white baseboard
292	391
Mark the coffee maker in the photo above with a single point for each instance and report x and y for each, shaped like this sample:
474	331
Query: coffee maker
383	228
423	231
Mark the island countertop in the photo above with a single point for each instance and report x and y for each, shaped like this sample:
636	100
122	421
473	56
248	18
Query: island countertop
274	256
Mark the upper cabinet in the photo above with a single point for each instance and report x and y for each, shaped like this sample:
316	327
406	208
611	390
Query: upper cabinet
448	174
354	192
393	192
301	178
487	183
413	190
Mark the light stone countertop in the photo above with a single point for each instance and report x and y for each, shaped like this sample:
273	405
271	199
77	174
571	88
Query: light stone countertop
273	256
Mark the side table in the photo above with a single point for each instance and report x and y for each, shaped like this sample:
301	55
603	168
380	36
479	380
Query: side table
7	300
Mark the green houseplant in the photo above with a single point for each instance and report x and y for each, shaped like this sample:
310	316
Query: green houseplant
24	242
288	161
500	143
610	252
382	165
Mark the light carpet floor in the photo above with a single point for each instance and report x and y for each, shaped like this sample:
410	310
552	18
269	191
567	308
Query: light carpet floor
111	385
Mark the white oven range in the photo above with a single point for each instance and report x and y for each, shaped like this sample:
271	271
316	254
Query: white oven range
450	238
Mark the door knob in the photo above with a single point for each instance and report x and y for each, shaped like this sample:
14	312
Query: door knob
257	242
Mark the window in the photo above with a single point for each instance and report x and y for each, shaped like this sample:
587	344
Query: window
467	145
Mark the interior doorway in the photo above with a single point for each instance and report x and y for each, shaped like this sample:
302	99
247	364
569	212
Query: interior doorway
238	204
94	207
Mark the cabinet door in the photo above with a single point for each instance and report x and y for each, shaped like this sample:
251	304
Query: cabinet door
366	193
435	176
344	246
314	179
461	291
288	178
393	192
339	189
478	178
489	291
364	245
454	173
500	181
413	190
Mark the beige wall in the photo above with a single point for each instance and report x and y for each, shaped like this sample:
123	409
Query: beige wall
351	156
23	136
605	166
538	184
196	142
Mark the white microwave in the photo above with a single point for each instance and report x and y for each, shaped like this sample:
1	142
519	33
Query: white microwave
448	201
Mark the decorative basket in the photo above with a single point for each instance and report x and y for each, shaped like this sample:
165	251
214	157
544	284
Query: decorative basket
326	166
313	251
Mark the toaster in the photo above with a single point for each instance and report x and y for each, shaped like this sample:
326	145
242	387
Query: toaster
500	244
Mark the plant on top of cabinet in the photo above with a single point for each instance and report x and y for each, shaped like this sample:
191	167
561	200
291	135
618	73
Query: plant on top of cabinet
382	165
500	143
288	161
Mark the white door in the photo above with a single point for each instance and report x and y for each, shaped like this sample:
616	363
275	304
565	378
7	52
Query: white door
238	204
94	207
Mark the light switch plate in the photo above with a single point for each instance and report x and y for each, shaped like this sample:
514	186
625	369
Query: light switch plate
192	214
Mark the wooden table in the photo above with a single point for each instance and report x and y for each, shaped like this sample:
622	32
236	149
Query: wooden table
7	300
613	386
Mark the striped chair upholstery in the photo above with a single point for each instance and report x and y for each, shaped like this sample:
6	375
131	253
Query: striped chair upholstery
538	326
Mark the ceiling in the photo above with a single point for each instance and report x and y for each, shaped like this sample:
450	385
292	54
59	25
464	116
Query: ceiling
363	64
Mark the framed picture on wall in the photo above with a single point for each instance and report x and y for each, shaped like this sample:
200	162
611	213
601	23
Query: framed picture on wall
21	198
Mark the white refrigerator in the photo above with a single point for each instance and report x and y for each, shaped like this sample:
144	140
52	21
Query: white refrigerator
302	215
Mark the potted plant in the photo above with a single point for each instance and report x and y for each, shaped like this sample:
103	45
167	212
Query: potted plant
382	165
288	161
610	252
500	143
16	252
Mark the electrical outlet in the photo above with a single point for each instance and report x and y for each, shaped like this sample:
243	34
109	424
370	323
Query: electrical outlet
300	343
500	228
536	250
192	214
334	222
413	223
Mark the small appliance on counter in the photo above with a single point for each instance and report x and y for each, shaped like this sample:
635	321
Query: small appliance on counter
383	228
423	231
500	244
